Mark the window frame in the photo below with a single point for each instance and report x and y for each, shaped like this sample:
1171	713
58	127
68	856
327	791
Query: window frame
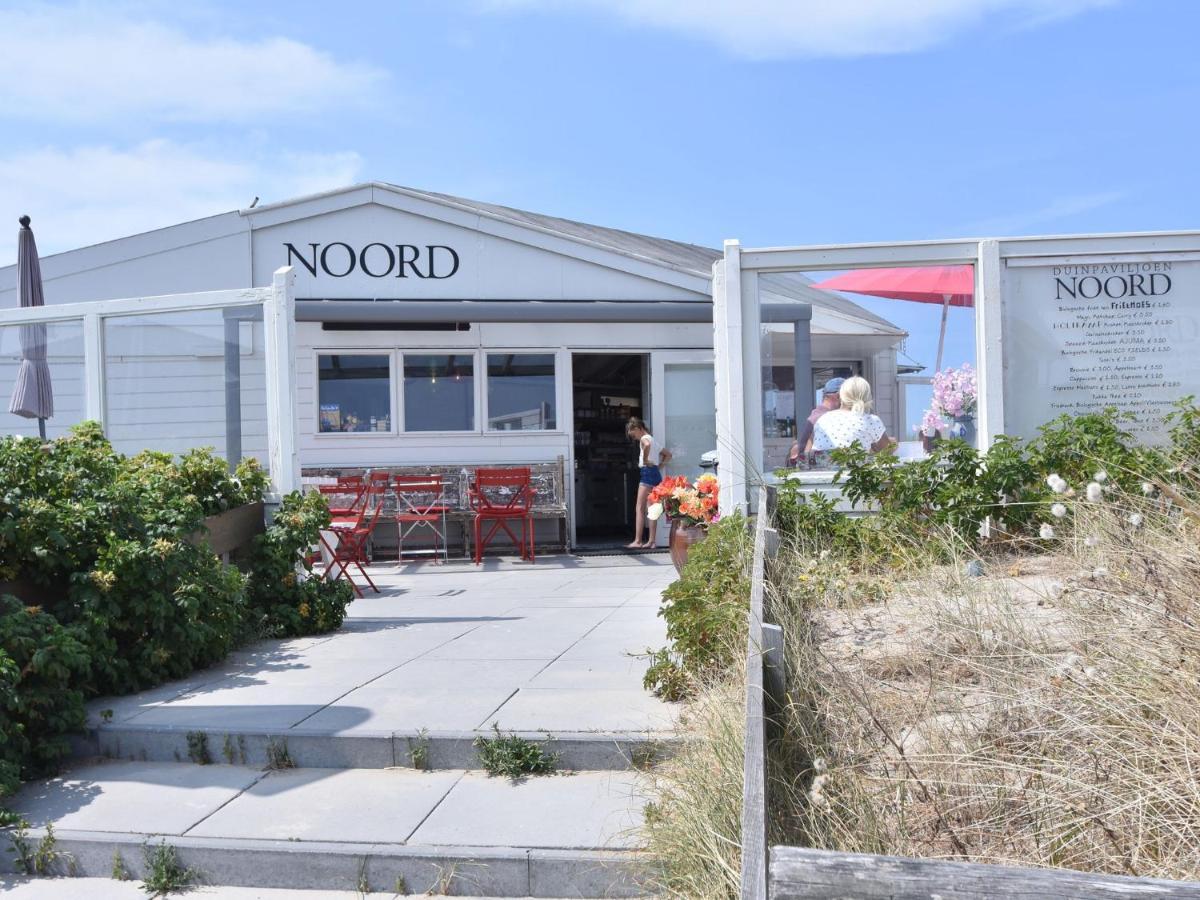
393	410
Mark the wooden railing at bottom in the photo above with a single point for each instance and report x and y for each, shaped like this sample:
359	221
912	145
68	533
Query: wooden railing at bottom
798	873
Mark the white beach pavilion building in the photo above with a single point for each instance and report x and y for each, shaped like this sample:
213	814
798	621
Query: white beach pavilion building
434	330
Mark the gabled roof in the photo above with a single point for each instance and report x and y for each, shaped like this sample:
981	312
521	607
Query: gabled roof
676	254
692	260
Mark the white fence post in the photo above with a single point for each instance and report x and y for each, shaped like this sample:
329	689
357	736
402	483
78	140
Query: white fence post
752	383
93	368
279	319
727	360
989	343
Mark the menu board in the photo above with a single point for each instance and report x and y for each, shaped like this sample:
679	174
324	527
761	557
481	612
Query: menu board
1083	335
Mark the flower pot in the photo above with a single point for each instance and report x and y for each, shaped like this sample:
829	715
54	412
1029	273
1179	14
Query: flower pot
681	539
964	429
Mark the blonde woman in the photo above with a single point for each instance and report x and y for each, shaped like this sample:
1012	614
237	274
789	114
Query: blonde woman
854	423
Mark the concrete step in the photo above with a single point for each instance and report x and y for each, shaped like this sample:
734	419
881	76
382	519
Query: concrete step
568	835
324	867
576	751
26	888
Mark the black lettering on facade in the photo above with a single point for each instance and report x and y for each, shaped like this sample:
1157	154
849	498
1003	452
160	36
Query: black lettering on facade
310	265
350	259
454	261
406	260
391	261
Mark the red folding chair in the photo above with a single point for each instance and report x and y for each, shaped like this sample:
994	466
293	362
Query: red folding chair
421	503
344	500
351	548
498	497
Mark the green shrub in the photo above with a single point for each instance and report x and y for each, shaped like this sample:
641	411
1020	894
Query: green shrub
155	611
41	668
129	600
1076	447
285	598
705	609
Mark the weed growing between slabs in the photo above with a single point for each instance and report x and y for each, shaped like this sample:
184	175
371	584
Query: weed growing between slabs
512	756
164	873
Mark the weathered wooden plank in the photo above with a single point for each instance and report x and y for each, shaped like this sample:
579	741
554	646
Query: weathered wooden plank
798	872
754	783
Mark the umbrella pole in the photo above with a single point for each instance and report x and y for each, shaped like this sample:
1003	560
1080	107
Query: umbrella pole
42	427
942	335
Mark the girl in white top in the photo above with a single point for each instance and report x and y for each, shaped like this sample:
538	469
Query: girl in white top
854	423
649	458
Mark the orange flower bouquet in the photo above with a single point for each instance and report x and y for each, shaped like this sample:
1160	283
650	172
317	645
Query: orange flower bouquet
687	502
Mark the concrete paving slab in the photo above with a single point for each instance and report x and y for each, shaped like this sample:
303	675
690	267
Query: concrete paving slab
364	805
466	675
372	709
586	810
443	654
613	673
562	710
528	643
256	706
306	672
145	797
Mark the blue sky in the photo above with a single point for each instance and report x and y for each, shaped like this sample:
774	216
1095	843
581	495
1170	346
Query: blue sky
772	121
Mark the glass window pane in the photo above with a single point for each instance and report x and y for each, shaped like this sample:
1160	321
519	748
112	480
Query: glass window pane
178	380
439	392
355	392
61	343
690	419
521	392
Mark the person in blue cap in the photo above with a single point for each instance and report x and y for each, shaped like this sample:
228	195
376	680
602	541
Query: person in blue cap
830	400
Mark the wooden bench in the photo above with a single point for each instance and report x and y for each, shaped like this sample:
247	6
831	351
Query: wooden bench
549	485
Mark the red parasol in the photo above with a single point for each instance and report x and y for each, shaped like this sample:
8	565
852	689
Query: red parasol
944	285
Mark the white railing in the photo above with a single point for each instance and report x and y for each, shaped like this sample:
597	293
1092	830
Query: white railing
277	306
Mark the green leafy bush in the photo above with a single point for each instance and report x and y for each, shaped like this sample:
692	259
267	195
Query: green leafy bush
41	668
705	610
1076	447
156	610
130	598
285	599
952	492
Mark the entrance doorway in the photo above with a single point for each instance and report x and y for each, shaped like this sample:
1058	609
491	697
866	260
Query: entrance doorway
608	389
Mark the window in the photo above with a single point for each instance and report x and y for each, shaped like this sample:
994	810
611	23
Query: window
354	392
439	392
520	392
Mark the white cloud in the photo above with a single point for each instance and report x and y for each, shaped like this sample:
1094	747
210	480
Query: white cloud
85	195
72	64
766	29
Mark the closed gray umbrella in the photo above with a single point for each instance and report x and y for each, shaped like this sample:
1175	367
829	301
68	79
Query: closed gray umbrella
33	397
